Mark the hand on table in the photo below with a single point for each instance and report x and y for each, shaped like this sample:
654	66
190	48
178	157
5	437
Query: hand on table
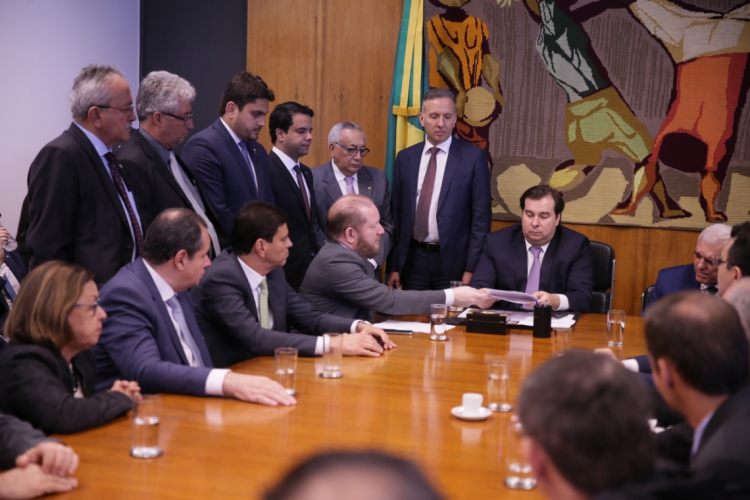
255	389
378	333
547	299
54	458
394	281
130	389
31	482
465	296
361	344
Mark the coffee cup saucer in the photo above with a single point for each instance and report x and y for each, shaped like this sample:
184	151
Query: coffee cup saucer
483	414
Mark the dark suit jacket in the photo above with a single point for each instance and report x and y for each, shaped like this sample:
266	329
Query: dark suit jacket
566	268
16	437
36	385
15	263
672	280
727	435
75	212
223	173
372	183
227	315
464	210
305	233
139	341
155	187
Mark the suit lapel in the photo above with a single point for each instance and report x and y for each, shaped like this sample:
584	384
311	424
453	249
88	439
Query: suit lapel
276	300
451	165
332	188
290	180
260	174
159	166
189	314
548	263
414	180
365	182
520	260
234	152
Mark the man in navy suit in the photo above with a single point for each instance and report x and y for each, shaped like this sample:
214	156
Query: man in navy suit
229	162
702	273
539	256
151	334
441	203
12	272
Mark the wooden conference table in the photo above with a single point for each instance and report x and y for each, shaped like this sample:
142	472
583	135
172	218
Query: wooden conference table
400	403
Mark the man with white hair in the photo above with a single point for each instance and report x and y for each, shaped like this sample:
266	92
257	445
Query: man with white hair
702	273
81	208
165	111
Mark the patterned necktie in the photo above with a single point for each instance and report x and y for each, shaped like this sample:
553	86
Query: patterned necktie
8	288
122	190
422	215
246	156
301	183
265	319
532	283
350	185
192	353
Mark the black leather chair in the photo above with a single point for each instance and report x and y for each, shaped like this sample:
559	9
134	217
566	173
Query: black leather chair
646	297
603	259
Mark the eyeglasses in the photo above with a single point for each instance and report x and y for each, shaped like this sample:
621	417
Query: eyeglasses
719	262
713	261
127	109
93	306
353	151
183	119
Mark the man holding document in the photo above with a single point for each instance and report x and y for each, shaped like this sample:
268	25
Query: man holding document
538	256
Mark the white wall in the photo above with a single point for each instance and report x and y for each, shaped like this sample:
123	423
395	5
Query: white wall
43	46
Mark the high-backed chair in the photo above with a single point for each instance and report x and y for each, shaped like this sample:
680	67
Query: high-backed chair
603	259
646	297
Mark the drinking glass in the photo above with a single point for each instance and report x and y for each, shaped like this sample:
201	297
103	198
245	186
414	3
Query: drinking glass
286	368
332	355
562	339
456	284
615	327
438	317
498	386
145	437
518	476
10	244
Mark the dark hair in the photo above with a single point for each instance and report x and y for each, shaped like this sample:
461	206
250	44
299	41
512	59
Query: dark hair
542	191
173	230
589	413
739	253
282	117
703	337
255	220
243	88
346	212
398	479
438	93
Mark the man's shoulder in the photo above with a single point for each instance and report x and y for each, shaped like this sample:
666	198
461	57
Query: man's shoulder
414	150
207	136
132	150
131	277
322	172
70	141
683	272
225	264
506	233
375	172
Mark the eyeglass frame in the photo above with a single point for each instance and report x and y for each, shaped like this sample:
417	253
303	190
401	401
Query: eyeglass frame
183	119
93	306
127	109
362	152
713	261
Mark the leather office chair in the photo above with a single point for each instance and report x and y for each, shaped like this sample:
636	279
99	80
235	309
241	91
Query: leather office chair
603	259
646	297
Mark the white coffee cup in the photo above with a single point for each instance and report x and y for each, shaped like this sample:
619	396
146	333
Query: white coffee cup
472	402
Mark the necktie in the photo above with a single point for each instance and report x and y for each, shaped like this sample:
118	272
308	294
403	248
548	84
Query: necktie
197	205
350	185
265	319
532	283
6	285
422	215
122	190
246	156
192	353
301	183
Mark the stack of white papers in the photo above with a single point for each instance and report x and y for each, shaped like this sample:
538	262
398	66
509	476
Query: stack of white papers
413	326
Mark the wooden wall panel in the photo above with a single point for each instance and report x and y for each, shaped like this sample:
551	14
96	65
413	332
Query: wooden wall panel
332	55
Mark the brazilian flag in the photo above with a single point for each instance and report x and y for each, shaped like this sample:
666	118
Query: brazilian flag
409	85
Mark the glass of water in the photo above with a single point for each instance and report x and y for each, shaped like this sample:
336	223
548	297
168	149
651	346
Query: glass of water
518	476
498	386
456	284
615	327
333	344
438	318
10	244
146	414
286	368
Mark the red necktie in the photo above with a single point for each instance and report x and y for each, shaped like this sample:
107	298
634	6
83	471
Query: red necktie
422	215
120	184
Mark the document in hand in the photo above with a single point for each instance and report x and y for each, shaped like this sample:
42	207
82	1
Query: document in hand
509	296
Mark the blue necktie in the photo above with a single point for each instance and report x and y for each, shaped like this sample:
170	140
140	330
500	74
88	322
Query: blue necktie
8	288
246	156
184	332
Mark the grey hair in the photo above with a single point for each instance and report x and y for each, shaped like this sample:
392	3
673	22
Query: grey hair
438	93
716	234
335	134
162	91
90	89
739	296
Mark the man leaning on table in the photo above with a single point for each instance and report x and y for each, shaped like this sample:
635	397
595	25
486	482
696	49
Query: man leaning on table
151	335
538	256
243	302
341	280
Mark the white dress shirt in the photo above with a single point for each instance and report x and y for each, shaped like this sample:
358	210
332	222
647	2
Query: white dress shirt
341	179
237	141
289	164
215	380
564	304
441	158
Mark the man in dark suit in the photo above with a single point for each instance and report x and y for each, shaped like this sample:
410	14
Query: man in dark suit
162	180
290	125
442	206
345	174
81	208
151	335
12	272
700	357
229	162
341	280
702	273
734	262
539	256
243	302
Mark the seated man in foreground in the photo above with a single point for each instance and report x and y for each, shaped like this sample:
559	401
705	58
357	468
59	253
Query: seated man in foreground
151	335
243	302
538	256
341	281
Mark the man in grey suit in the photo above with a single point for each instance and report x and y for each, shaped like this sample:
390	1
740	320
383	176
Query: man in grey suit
243	301
341	281
345	174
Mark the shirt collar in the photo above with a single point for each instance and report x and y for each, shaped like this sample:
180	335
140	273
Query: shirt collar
543	247
158	146
698	434
165	290
236	139
443	146
339	175
251	274
101	148
288	162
